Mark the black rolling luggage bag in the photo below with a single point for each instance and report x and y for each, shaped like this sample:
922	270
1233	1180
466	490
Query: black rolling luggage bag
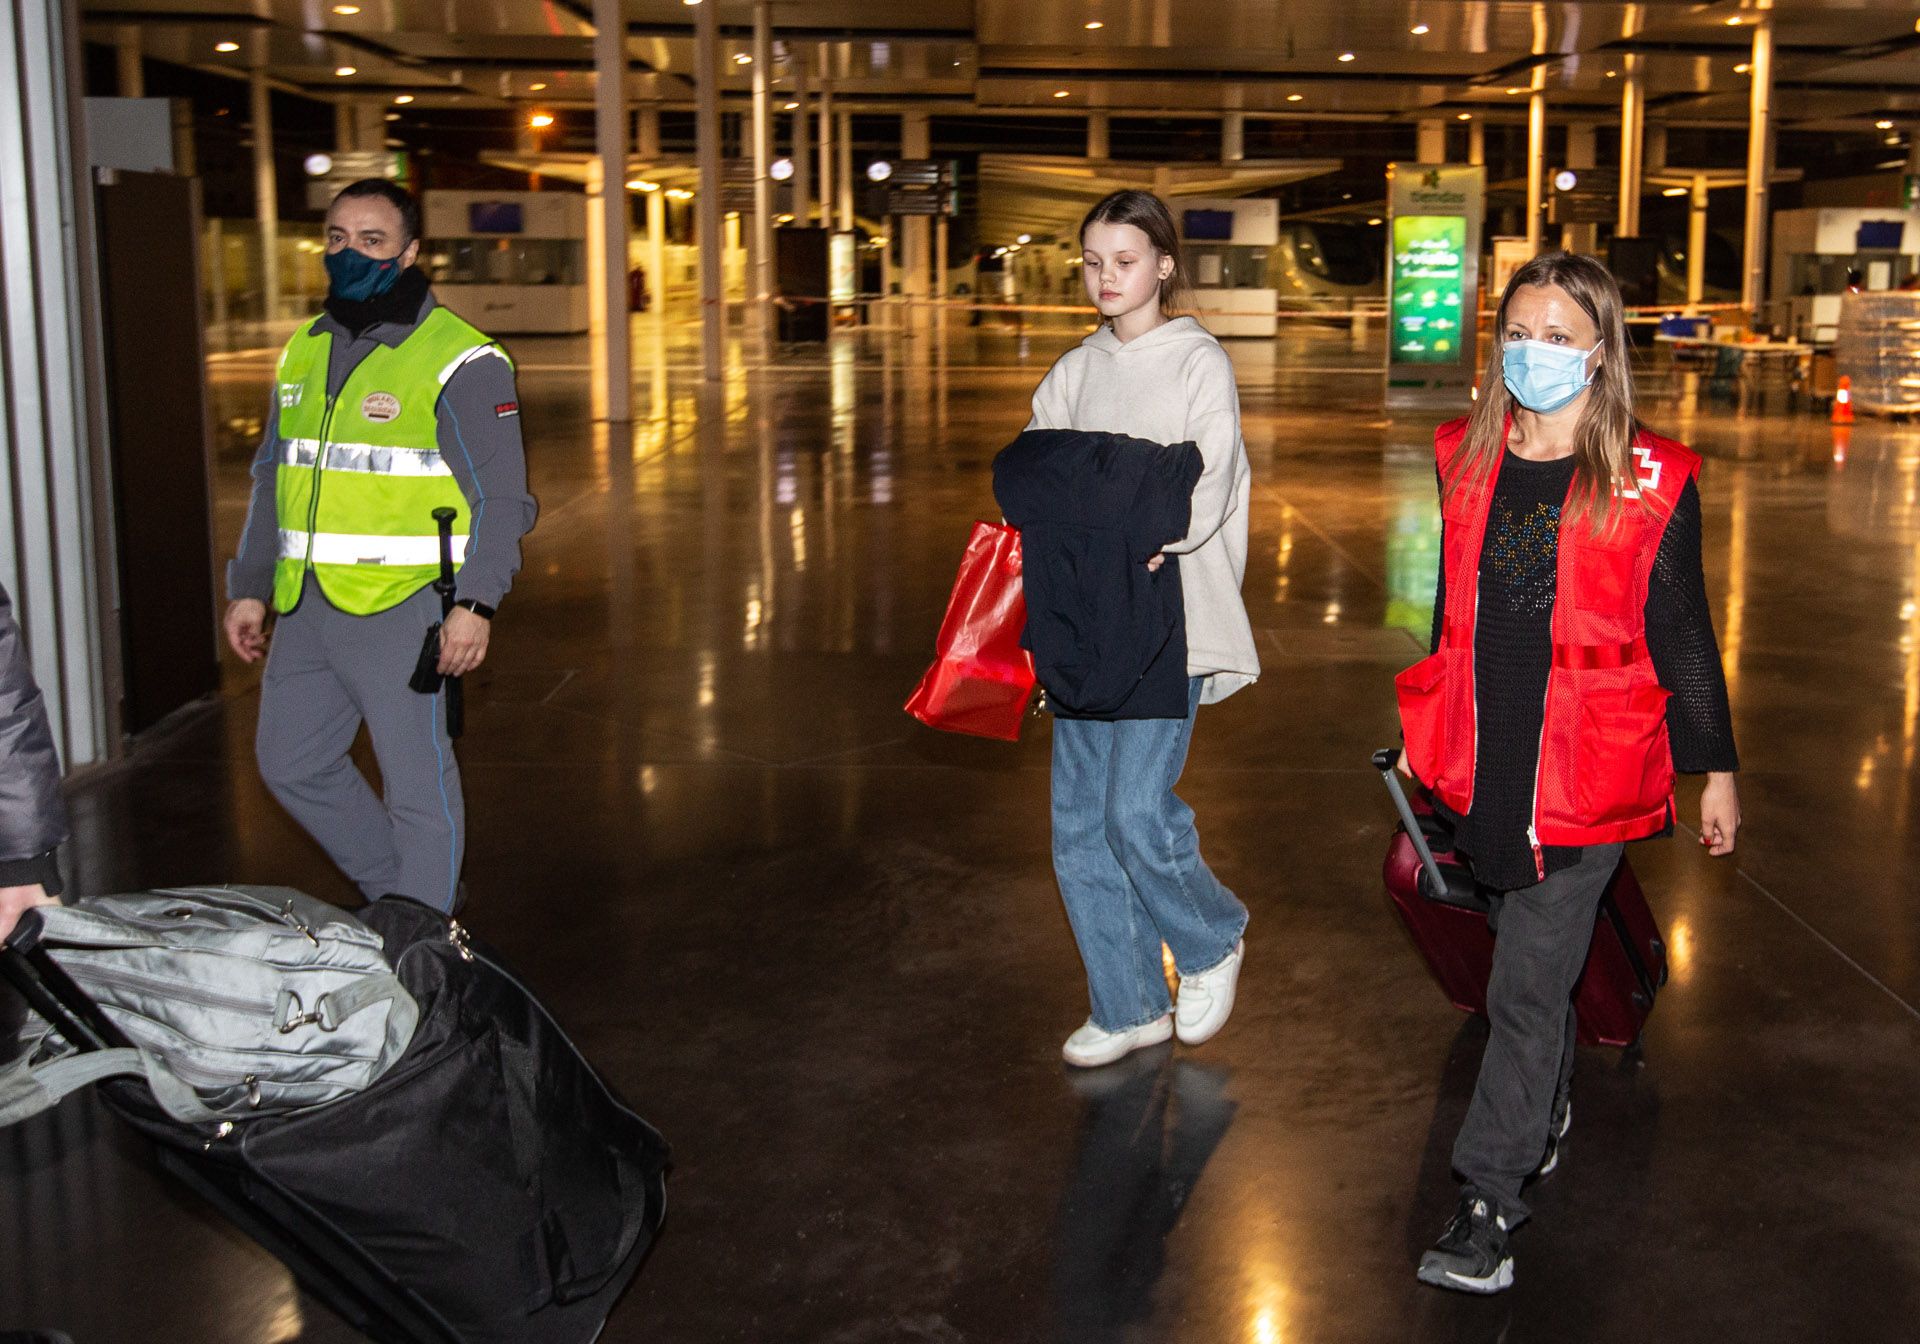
489	1189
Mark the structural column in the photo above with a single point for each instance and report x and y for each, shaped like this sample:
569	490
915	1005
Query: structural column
1581	238
613	397
132	81
1433	140
1753	257
762	153
1099	136
1697	240
843	178
1633	114
827	190
713	310
1233	137
266	193
1477	143
1536	161
914	250
802	144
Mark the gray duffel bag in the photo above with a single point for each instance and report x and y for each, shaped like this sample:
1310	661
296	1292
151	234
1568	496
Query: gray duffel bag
238	1001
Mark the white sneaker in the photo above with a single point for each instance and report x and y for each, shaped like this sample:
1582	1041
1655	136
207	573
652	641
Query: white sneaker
1092	1046
1206	998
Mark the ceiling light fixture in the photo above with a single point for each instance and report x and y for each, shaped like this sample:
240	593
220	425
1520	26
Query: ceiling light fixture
1419	30
790	107
1512	91
1375	221
1464	116
1744	68
1095	26
346	10
1346	56
743	59
1613	74
344	71
1295	97
535	88
780	170
1735	21
226	46
1674	191
539	121
679	193
403	98
1024	238
642	184
1059	93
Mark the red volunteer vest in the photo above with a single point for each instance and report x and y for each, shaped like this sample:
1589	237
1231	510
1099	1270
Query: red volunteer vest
1606	769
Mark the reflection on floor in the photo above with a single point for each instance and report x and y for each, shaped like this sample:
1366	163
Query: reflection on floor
821	947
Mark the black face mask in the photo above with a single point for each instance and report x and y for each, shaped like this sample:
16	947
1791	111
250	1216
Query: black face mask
399	303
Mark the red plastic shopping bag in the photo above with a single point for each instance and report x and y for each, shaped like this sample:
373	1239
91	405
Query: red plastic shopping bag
981	679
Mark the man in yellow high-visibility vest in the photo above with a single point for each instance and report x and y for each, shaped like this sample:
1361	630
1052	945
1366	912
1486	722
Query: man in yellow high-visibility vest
386	406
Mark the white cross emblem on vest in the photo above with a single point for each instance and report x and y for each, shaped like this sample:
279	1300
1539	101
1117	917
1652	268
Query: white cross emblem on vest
1646	473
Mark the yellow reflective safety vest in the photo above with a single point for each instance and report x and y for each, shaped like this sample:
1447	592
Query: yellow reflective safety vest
359	474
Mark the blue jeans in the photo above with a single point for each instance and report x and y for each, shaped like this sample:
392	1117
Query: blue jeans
1128	861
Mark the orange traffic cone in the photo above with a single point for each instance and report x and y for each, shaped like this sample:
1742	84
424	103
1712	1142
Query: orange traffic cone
1843	401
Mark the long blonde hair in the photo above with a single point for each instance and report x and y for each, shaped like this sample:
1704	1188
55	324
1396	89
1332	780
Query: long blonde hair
1603	438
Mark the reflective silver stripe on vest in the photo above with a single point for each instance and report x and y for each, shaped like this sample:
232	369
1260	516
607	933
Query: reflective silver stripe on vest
366	457
347	548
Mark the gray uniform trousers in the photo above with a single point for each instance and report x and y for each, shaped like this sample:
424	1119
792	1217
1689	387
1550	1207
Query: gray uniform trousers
327	672
1539	949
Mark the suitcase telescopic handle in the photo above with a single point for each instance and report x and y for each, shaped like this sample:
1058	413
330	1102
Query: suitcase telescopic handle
51	992
1385	760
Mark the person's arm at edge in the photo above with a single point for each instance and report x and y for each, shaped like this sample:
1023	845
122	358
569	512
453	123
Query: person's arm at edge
1213	424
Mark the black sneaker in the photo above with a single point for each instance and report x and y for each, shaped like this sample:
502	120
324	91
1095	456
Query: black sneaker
1562	1122
1471	1256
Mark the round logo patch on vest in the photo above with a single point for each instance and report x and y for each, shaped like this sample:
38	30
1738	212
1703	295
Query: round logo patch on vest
380	407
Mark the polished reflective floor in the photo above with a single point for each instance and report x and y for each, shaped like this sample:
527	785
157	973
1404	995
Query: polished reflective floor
820	946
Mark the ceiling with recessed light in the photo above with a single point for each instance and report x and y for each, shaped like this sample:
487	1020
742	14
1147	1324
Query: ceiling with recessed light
1842	63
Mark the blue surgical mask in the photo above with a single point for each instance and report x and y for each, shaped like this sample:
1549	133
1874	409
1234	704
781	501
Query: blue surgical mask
1542	376
357	277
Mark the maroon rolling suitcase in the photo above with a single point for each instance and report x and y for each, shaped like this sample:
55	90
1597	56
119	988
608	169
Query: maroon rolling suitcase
1445	912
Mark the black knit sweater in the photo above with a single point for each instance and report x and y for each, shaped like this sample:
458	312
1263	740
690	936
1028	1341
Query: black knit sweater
1513	655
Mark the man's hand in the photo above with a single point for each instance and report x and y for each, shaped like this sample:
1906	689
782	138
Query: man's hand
15	901
246	627
1719	813
1153	565
1401	765
463	641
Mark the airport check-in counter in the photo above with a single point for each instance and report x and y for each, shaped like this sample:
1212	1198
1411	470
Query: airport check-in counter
1816	250
509	261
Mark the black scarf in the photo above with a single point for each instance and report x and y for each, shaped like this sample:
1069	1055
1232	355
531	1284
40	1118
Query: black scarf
401	304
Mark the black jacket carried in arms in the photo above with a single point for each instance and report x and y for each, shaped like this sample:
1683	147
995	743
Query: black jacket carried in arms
1108	637
33	817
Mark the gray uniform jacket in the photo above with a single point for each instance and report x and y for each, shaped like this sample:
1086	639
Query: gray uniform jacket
33	816
479	422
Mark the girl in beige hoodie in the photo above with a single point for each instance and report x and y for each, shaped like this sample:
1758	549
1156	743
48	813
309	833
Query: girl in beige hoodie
1125	850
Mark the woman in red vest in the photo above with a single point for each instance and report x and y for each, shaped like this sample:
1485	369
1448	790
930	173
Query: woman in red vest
1574	669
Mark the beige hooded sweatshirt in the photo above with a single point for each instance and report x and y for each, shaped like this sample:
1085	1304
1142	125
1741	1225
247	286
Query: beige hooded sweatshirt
1174	385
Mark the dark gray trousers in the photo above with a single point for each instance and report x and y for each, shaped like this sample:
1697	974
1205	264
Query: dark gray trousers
1542	934
327	673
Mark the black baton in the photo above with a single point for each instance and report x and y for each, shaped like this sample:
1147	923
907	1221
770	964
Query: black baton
456	704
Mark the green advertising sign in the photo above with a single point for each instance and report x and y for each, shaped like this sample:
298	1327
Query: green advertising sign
1429	269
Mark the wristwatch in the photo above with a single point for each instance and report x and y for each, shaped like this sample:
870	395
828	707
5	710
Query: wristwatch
480	609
